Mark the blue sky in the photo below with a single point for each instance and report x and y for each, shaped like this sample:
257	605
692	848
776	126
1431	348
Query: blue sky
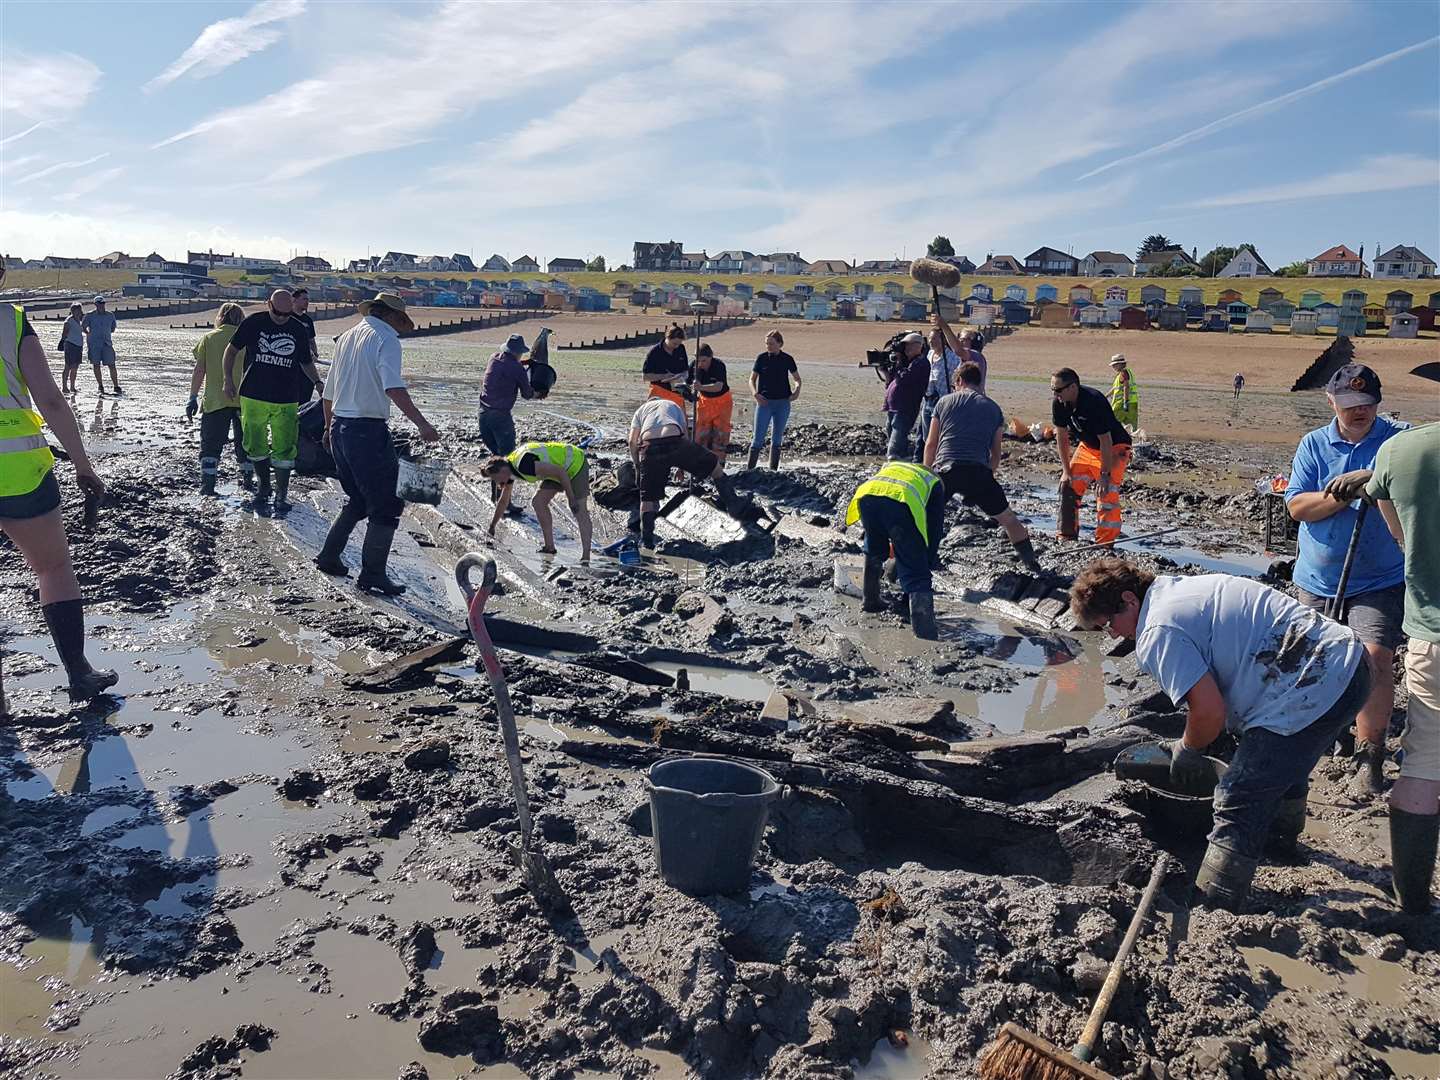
840	130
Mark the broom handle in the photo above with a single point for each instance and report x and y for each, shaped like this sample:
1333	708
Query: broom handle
1085	1048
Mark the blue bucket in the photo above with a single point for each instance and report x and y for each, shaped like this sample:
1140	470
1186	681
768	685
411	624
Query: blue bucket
707	817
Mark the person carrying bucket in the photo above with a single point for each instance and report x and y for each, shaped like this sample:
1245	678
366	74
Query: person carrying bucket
364	380
555	467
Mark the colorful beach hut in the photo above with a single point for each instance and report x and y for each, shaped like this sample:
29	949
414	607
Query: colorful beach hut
1305	321
1404	325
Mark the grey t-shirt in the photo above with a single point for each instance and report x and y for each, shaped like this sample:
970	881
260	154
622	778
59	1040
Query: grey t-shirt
968	421
100	325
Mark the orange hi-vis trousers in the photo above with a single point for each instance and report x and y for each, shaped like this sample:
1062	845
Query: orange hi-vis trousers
1084	471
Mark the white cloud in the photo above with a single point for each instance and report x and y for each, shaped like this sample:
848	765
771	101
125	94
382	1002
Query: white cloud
61	166
46	87
21	134
1385	172
1260	109
104	228
90	183
229	41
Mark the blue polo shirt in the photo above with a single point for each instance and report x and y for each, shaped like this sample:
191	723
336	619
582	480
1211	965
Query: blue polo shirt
1322	455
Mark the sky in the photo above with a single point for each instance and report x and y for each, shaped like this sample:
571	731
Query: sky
840	130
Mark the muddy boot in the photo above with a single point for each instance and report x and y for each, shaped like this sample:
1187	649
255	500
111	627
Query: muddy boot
1224	878
66	620
247	476
262	470
774	456
1287	826
922	616
1026	551
1369	778
647	528
1068	524
282	490
329	560
754	459
1413	840
374	555
870	596
207	482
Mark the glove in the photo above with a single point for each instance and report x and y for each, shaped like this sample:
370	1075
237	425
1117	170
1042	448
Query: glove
1349	486
191	407
1191	772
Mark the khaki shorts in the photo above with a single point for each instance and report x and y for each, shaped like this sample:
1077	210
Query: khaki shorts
579	484
1421	741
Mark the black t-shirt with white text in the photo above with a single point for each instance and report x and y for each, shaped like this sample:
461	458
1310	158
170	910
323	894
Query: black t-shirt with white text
304	388
273	354
1089	418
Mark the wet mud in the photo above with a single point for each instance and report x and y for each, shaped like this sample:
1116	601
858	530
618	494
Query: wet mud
282	848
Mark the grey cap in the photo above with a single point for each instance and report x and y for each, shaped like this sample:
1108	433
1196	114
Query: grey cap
516	346
98	300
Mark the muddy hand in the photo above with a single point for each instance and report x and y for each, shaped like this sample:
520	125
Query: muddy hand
89	483
1349	486
1190	771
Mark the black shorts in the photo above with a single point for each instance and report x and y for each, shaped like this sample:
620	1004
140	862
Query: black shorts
659	456
32	504
73	355
975	484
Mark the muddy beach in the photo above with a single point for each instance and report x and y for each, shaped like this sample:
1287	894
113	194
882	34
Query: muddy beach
280	850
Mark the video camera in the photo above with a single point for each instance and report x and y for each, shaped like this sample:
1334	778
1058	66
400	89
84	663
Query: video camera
889	360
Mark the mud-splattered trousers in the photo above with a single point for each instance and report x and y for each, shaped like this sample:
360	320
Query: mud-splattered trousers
1084	471
1270	768
216	426
272	431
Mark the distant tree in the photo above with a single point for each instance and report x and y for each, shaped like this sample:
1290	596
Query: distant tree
597	264
939	247
1294	269
1154	242
1216	259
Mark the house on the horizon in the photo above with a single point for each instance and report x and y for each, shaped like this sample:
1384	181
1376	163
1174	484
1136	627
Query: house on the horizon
1246	263
782	262
1001	264
664	255
396	260
1404	261
960	262
1338	261
66	262
525	264
829	268
309	264
564	266
1171	258
1106	264
496	264
884	266
1048	260
732	261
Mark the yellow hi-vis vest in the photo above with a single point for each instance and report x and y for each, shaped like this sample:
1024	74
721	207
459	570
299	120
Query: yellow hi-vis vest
25	458
1125	398
568	457
909	483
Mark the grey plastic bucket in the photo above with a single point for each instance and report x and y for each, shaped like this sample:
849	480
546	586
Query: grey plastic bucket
707	817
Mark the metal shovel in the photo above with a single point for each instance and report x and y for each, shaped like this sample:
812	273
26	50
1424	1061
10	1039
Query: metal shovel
535	868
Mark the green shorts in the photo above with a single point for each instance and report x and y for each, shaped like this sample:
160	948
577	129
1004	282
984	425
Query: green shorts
272	431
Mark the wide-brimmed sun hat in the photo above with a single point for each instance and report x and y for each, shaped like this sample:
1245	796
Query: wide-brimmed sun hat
388	300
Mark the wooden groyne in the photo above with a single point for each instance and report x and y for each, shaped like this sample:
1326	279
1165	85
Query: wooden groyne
504	317
143	311
319	313
714	325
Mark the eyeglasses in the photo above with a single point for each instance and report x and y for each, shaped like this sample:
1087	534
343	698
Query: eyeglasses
1058	390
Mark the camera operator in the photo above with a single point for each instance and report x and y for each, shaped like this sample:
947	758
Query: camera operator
906	377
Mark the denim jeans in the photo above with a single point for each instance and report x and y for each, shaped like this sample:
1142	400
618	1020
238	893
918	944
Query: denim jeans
927	413
497	431
888	522
1269	769
368	466
897	447
772	415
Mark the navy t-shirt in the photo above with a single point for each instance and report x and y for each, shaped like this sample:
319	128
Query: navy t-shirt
715	373
660	362
1089	418
273	353
774	371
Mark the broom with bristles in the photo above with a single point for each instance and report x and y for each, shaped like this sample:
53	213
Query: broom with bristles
1017	1054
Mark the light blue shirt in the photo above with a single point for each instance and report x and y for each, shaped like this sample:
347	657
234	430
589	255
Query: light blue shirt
1322	455
1279	664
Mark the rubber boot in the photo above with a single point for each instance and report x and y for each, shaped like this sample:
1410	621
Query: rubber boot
1026	551
66	620
922	616
247	476
871	594
1369	778
1224	878
374	555
1068	525
774	456
282	490
754	459
263	492
1412	858
207	482
1288	824
647	528
329	560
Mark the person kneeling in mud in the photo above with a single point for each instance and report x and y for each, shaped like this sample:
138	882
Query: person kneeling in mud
901	507
1243	657
556	467
658	443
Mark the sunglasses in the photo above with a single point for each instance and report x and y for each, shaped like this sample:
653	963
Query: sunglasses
1058	390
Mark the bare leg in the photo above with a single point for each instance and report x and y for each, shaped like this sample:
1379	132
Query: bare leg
42	541
1013	526
115	378
99	378
587	528
541	505
1373	721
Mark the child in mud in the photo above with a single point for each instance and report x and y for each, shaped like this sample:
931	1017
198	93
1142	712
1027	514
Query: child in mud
555	467
1242	657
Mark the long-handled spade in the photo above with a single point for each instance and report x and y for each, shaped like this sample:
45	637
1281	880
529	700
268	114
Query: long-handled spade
535	868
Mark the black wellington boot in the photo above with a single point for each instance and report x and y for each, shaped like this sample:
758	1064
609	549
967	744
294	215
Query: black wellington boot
374	557
282	490
1413	840
774	456
871	590
754	459
647	528
1224	878
329	560
922	616
207	483
66	619
263	492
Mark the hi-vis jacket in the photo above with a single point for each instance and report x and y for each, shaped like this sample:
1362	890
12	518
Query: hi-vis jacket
25	458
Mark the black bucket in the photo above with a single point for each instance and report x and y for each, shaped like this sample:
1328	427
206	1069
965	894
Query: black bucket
708	815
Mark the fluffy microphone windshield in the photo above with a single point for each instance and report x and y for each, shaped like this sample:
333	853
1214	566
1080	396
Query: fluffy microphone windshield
934	272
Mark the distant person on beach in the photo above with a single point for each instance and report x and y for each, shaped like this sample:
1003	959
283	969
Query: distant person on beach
220	417
714	404
72	344
666	365
770	386
1239	384
1124	393
304	388
99	329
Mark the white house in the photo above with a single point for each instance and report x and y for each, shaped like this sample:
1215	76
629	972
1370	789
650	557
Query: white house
729	262
496	264
1404	261
1106	264
1246	263
1338	261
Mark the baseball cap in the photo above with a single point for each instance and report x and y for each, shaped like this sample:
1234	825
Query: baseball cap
1118	360
1354	384
515	345
98	300
913	336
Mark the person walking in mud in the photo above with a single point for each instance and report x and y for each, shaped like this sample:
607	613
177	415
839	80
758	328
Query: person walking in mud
220	417
1082	414
274	346
962	447
30	495
1124	393
72	345
1241	657
99	330
667	366
904	393
714	404
902	509
658	444
365	380
304	388
1375	593
1239	383
770	386
556	467
506	378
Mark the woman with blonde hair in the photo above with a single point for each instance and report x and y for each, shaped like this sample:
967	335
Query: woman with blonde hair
221	414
